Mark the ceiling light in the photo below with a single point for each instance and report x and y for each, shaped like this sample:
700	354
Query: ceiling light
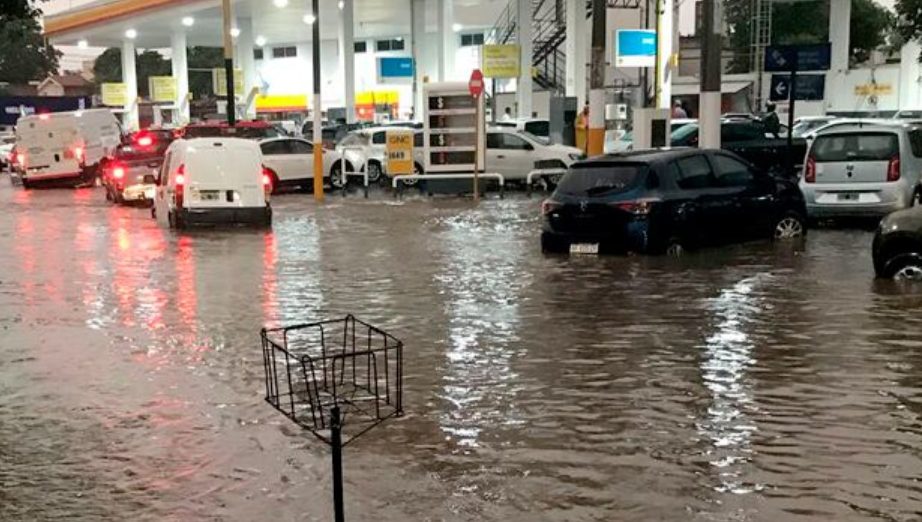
83	44
235	32
281	4
341	5
260	41
188	21
456	27
131	34
309	19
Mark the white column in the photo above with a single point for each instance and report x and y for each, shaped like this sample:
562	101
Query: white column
576	50
840	15
418	44
180	65
247	63
665	50
910	76
524	28
447	41
130	79
347	56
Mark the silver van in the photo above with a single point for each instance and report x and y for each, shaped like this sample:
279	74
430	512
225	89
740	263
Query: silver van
867	171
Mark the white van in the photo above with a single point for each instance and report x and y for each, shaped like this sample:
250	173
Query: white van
65	146
211	181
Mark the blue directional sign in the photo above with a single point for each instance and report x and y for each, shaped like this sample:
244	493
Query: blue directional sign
810	87
787	58
635	48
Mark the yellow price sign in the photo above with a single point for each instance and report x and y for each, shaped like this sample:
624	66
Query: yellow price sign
501	61
399	152
114	94
871	89
162	89
219	82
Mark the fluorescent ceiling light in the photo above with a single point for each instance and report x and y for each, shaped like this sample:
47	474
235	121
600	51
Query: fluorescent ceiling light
83	44
131	34
235	32
280	3
309	19
188	21
456	27
260	41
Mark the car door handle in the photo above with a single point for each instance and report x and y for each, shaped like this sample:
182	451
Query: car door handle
500	157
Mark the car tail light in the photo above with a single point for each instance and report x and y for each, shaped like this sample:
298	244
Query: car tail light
893	169
145	140
179	193
44	116
267	181
640	207
78	154
549	205
810	170
118	172
21	159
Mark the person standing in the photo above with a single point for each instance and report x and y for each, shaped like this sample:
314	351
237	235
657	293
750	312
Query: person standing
678	113
582	129
507	115
771	121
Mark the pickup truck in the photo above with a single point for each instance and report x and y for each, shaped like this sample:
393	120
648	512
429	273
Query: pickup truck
751	140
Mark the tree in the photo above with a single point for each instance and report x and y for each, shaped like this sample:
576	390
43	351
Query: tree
909	16
24	54
871	27
108	67
201	60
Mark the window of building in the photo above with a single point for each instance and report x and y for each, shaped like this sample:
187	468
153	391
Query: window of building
393	44
257	54
284	52
472	39
360	47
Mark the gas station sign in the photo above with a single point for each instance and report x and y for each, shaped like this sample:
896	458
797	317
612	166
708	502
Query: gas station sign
399	152
501	61
114	94
162	89
219	82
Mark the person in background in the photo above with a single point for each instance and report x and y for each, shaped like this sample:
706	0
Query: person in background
582	129
678	112
771	121
507	115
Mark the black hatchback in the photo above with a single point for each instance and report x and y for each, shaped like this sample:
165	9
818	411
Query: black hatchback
666	201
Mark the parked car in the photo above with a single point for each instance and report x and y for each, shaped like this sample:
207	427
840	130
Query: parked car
667	201
534	126
515	153
625	142
897	246
331	134
845	123
807	124
867	171
253	130
367	148
65	147
210	181
908	114
290	162
750	139
130	175
7	142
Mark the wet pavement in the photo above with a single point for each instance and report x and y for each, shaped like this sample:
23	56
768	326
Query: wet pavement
753	382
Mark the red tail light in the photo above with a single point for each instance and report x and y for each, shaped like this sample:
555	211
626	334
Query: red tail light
21	159
549	205
810	170
118	172
893	169
146	140
267	180
638	207
179	193
78	154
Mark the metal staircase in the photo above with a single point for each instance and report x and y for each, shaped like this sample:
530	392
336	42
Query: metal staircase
549	33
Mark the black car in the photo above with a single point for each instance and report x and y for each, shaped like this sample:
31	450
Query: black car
897	246
751	140
129	174
665	201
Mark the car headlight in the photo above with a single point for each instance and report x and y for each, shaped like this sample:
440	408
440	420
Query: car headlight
576	156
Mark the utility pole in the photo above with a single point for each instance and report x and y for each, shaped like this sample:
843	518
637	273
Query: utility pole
709	106
596	139
318	133
229	62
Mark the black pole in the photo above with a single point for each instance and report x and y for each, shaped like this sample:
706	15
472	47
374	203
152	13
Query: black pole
336	442
231	95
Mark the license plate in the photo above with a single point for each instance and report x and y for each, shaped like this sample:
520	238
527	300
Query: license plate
848	197
209	195
584	248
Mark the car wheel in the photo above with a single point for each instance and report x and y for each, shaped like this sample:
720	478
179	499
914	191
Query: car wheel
411	182
175	221
906	269
374	172
674	248
26	184
109	195
790	226
336	175
916	198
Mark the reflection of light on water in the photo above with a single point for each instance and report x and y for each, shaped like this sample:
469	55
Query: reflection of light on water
483	285
724	366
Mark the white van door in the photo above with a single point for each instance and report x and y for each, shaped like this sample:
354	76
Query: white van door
161	203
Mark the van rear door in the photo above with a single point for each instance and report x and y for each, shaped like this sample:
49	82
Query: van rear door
855	157
224	175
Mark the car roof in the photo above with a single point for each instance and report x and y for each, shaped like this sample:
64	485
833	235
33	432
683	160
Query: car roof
652	156
885	127
228	142
281	138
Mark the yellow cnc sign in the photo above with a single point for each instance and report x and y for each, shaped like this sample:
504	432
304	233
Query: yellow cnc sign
399	152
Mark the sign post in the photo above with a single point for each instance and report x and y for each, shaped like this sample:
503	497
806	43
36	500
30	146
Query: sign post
399	152
476	87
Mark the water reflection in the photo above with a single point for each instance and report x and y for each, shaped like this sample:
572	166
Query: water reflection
725	364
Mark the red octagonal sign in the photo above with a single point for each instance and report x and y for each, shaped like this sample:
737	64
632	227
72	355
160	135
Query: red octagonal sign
476	83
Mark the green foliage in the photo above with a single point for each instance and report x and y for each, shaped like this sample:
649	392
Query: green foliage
24	54
108	67
871	26
909	15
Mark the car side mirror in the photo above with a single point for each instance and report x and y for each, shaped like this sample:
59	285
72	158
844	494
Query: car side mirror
693	141
529	146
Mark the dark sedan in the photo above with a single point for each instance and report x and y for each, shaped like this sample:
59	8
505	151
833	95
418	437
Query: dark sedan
667	201
897	247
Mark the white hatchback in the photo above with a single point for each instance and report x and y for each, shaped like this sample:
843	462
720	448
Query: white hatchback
210	181
514	154
290	162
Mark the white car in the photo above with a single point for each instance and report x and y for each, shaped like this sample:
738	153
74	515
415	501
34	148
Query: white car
7	142
536	126
514	154
290	162
367	148
210	181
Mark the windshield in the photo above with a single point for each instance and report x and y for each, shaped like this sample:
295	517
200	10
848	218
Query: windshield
595	179
206	131
684	133
868	146
910	115
804	127
536	139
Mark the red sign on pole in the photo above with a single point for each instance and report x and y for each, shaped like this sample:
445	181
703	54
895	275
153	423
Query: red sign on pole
476	83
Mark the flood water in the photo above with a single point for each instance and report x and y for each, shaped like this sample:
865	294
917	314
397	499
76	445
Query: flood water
755	382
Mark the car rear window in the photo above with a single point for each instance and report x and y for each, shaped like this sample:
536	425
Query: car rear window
595	179
865	146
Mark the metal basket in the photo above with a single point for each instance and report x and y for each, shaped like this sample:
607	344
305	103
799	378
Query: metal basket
343	363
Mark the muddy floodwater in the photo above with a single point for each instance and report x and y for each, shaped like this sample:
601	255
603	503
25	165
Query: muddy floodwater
758	382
